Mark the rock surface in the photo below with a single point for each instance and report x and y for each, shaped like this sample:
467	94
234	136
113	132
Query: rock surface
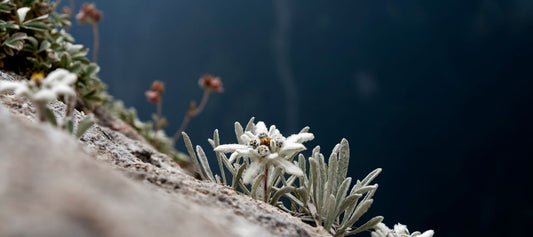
106	184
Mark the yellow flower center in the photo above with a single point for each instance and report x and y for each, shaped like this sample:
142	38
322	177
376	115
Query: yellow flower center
37	76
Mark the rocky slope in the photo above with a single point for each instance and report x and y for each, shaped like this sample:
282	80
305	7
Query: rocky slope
106	184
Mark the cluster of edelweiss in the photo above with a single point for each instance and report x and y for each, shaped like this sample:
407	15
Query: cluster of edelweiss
261	150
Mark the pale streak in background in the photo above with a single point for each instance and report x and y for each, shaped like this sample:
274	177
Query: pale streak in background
282	60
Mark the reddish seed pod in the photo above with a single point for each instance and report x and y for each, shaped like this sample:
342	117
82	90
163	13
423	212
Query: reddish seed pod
153	96
89	14
208	82
158	86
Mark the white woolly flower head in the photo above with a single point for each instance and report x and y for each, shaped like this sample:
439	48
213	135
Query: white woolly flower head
266	147
381	230
57	83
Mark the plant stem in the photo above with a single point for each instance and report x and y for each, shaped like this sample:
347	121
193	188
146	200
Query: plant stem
95	43
70	103
41	111
265	186
72	6
191	114
56	4
72	10
157	120
159	106
201	107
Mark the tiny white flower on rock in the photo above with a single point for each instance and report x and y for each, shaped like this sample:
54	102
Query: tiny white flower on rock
266	147
381	230
57	83
41	91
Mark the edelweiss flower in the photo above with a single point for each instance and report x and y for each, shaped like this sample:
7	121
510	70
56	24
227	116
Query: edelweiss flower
381	230
265	148
41	91
58	82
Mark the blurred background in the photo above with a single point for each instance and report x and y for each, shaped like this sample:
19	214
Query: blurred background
437	93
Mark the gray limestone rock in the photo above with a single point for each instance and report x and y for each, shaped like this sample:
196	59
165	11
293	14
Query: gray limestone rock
107	184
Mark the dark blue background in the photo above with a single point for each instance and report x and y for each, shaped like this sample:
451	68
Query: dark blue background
437	93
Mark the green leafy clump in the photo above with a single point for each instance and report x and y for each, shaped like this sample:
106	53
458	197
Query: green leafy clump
33	39
318	196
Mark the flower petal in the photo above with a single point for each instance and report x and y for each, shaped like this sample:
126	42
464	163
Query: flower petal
273	156
63	90
301	137
260	127
12	85
70	79
271	129
275	134
291	147
234	156
380	230
245	138
401	229
230	148
252	171
248	152
289	167
44	95
428	233
23	91
55	76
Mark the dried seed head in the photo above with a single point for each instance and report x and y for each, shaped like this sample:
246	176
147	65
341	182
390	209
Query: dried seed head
153	96
89	14
158	86
208	82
